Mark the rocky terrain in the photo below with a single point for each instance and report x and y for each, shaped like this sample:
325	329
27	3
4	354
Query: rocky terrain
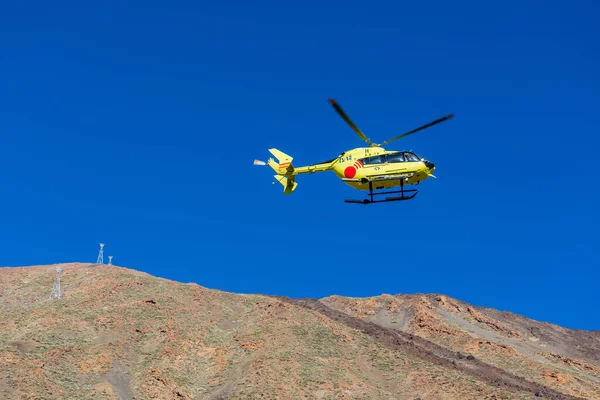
118	333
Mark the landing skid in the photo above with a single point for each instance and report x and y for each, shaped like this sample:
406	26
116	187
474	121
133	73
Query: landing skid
387	199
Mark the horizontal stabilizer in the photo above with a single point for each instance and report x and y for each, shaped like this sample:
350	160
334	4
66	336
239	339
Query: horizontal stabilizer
283	159
281	156
283	164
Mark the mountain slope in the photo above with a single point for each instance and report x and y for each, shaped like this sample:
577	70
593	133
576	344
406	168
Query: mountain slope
565	360
122	334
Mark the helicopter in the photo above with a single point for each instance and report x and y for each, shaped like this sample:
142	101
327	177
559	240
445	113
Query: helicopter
370	168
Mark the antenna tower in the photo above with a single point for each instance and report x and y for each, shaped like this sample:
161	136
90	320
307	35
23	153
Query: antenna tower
110	260
55	294
100	259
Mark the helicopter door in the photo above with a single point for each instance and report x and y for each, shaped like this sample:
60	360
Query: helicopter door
396	162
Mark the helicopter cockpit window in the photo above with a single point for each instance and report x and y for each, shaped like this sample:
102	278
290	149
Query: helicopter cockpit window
410	157
373	160
366	160
395	158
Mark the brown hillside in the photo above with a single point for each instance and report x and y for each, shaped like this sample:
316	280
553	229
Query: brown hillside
122	334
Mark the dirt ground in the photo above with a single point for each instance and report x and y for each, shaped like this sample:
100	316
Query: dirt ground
117	333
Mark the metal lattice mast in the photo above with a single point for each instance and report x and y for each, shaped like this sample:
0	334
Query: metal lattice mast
110	260
55	294
100	259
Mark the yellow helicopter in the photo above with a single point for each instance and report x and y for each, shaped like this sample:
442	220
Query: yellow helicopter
364	168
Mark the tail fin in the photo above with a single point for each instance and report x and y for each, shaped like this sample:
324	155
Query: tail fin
289	183
284	169
284	164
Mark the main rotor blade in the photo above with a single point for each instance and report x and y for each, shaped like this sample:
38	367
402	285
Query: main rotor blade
437	121
349	121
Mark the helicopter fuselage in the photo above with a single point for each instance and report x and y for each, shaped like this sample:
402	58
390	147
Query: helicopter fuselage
363	168
357	166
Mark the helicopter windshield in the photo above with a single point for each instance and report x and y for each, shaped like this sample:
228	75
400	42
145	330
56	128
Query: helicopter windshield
411	157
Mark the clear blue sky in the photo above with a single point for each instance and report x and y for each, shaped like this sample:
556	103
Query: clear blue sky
136	125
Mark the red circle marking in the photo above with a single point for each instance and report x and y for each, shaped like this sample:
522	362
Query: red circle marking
350	172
